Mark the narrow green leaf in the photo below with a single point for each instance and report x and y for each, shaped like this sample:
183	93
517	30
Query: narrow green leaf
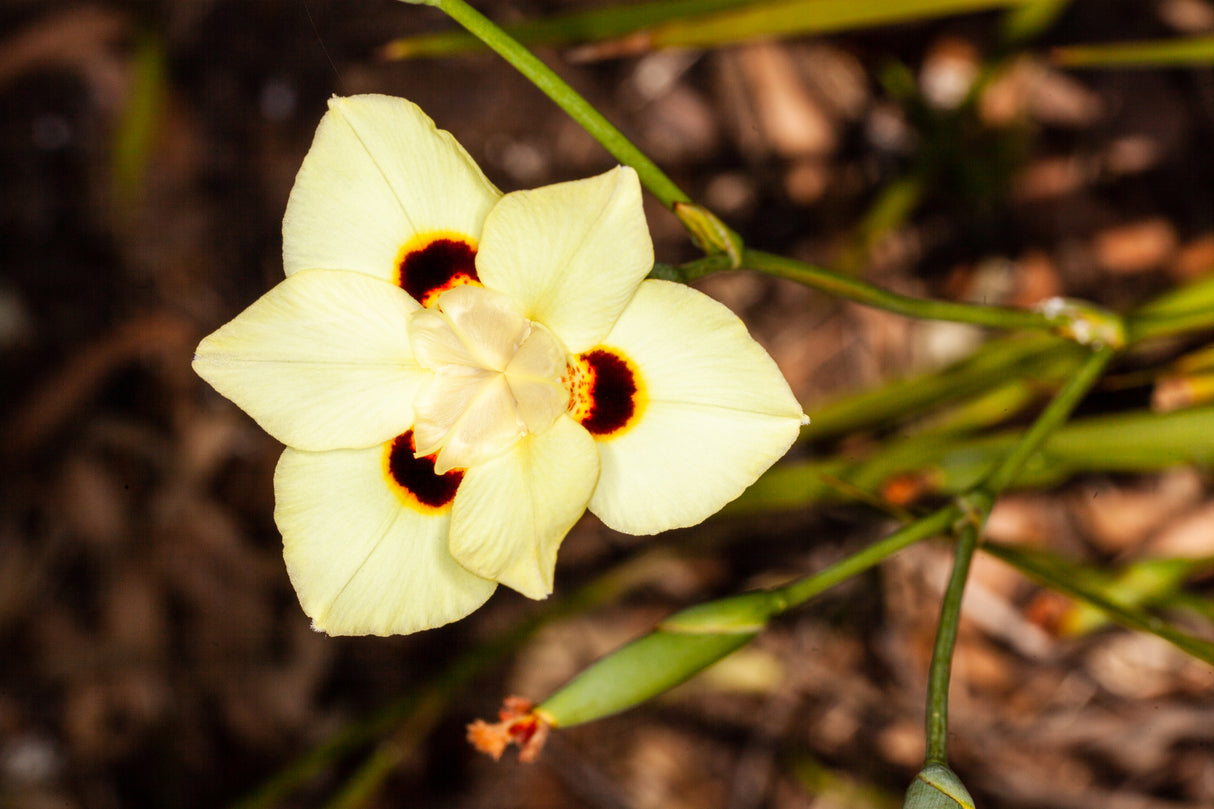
1033	356
1084	584
1144	583
830	787
1186	308
697	23
783	18
591	25
1192	51
1138	441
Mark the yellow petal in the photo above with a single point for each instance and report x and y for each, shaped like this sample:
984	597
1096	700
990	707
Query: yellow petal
361	562
378	174
321	361
717	413
511	514
571	254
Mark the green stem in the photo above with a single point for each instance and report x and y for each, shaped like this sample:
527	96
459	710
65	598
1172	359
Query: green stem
870	295
553	86
1147	326
978	504
802	590
946	641
1054	415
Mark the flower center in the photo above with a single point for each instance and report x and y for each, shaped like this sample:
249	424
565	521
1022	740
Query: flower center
497	377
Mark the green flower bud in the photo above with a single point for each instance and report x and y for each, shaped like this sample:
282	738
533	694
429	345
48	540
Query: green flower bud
709	233
937	787
682	646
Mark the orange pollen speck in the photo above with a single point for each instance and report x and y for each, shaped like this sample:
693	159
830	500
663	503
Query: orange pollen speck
579	381
430	298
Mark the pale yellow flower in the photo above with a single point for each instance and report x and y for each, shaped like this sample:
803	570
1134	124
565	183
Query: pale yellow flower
458	375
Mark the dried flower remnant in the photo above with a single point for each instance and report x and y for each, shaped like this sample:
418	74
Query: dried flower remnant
518	723
458	375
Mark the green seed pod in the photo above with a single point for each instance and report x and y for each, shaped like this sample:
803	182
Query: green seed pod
937	787
682	646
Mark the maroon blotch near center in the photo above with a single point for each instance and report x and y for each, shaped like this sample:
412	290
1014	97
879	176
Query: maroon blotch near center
435	267
613	393
417	474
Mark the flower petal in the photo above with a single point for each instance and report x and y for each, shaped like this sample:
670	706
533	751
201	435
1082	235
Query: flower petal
467	418
378	174
473	327
717	413
361	562
510	514
321	361
535	375
572	254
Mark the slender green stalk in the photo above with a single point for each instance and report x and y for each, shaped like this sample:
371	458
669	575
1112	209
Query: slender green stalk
803	590
1035	357
870	295
981	500
1186	308
568	99
141	122
946	642
1050	420
1152	325
690	640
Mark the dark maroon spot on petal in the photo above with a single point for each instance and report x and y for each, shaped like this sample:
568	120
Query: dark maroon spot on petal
440	265
613	392
416	475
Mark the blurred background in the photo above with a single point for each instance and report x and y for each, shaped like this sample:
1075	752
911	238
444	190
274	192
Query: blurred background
152	652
